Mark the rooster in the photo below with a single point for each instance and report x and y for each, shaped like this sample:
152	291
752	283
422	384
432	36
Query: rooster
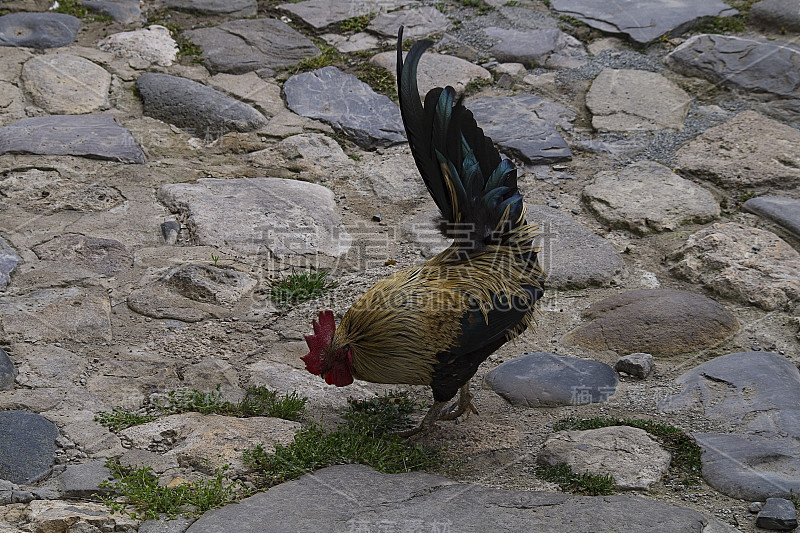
435	323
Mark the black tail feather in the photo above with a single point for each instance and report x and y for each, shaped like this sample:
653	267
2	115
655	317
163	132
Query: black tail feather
473	188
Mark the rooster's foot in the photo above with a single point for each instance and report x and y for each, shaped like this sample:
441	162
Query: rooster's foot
427	422
464	404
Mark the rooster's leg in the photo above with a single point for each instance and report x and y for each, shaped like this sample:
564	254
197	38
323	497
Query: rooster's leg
464	402
430	417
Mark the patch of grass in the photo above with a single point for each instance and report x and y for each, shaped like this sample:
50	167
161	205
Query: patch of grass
355	24
139	488
441	6
588	484
257	401
299	287
381	80
734	24
572	21
329	56
511	3
74	8
476	85
480	5
685	452
119	419
363	438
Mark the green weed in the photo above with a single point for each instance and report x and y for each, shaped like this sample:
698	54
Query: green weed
119	419
299	287
74	8
355	24
139	488
589	484
257	401
362	438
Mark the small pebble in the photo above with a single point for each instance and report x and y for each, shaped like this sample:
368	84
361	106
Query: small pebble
377	218
755	507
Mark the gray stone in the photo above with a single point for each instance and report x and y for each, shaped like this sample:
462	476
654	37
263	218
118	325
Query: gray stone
779	209
205	112
565	244
324	502
642	21
550	48
27	446
753	392
525	126
545	379
156	300
347	104
170	230
321	14
38	30
57	314
418	22
209	284
656	321
627	454
163	525
51	190
631	100
48	366
66	84
233	8
767	153
260	215
747	264
122	11
8	263
241	46
96	136
755	507
393	176
153	44
8	372
771	15
750	467
647	197
638	365
756	65
778	514
104	256
358	42
47	515
437	70
82	481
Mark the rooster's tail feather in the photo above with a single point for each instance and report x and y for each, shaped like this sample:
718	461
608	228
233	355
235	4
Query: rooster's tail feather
474	189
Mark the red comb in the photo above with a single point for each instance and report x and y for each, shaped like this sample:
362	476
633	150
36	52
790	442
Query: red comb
319	341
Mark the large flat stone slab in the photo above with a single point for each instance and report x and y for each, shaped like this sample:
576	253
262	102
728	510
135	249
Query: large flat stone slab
750	467
38	30
8	263
122	11
66	84
762	66
95	136
627	454
203	111
642	21
232	8
525	126
545	379
357	498
246	45
647	197
417	22
767	153
656	321
437	70
779	209
747	264
565	244
776	14
550	48
631	100
28	446
348	104
104	256
259	215
321	14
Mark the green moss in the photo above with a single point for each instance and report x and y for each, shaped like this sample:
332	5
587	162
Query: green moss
355	24
74	8
257	401
363	438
